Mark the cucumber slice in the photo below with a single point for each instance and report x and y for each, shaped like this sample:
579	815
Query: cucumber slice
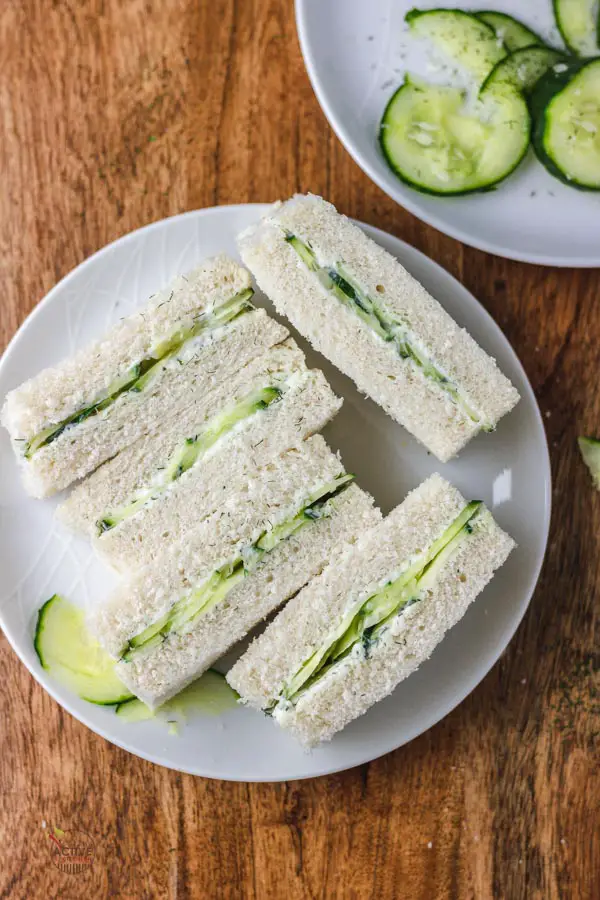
362	622
590	451
134	711
182	615
579	24
523	68
566	134
513	34
210	695
466	39
189	452
137	378
67	650
432	144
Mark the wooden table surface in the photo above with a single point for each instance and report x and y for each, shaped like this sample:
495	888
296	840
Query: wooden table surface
116	114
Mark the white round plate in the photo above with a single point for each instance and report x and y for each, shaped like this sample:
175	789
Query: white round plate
508	469
356	61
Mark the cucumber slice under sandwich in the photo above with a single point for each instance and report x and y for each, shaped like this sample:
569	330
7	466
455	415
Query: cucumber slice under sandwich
374	615
70	654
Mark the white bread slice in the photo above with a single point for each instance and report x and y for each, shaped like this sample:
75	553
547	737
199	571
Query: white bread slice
306	406
398	385
158	674
58	392
347	690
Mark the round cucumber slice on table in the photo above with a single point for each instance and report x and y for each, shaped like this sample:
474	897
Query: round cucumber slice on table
523	68
69	653
566	135
513	34
579	24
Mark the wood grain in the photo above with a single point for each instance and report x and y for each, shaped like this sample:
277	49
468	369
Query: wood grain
115	114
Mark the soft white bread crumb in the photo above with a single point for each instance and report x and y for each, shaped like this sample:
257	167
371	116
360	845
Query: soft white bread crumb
305	408
348	690
396	384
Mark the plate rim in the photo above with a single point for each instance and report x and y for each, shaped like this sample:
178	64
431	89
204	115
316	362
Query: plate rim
62	697
406	201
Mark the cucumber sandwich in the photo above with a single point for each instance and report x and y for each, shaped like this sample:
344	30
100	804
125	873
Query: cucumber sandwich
373	615
359	307
170	620
69	419
165	484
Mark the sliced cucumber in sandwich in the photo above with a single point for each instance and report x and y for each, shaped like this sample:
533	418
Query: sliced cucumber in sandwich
513	34
579	24
590	451
192	450
399	334
365	621
566	134
140	375
183	614
69	653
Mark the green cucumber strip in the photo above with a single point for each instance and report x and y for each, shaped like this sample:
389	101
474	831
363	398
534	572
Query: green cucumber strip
434	144
192	449
364	618
340	284
590	451
68	652
138	376
579	24
315	508
522	69
209	695
513	34
463	37
134	710
184	612
566	134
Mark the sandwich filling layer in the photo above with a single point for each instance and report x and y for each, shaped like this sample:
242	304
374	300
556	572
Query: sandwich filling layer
183	614
138	376
194	449
388	328
367	619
